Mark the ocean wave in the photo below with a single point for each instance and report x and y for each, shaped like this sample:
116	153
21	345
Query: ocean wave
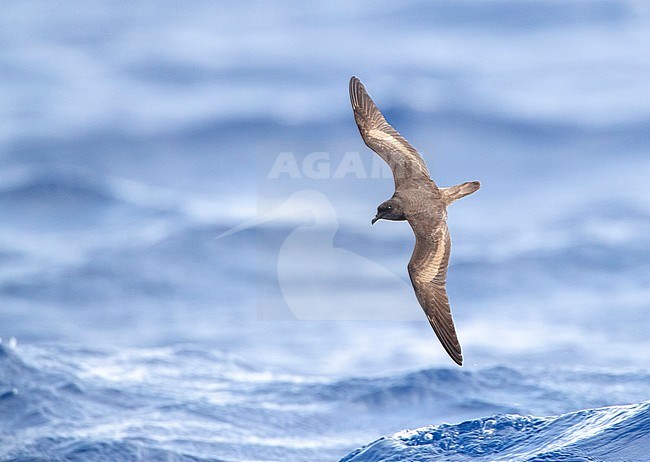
612	433
168	80
52	187
194	403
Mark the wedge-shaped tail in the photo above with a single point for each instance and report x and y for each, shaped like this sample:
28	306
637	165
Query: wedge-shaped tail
453	193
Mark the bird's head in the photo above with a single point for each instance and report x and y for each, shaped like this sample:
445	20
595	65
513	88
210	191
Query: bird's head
390	210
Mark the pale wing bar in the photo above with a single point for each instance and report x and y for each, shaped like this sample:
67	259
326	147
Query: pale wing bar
381	137
428	272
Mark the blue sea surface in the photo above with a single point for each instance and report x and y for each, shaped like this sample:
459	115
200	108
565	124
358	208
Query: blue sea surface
187	266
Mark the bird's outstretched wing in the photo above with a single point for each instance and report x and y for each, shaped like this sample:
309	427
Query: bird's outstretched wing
428	272
403	159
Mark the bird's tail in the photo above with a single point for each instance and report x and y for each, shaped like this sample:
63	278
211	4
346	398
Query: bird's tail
453	193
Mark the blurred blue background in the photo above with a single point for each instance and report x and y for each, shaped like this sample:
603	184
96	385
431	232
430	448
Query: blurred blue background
135	134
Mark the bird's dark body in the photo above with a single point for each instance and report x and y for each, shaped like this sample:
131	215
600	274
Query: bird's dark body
418	200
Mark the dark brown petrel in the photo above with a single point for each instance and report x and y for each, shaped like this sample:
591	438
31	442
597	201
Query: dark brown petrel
419	201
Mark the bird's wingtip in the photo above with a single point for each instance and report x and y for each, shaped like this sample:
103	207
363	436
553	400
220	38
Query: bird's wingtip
355	84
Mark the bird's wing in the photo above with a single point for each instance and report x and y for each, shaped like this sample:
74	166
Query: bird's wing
403	159
428	272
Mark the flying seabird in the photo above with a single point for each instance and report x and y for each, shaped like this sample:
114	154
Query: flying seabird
418	200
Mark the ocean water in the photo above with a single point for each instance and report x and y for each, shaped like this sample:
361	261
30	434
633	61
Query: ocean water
187	266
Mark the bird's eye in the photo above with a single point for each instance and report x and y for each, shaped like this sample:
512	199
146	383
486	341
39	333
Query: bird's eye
388	207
